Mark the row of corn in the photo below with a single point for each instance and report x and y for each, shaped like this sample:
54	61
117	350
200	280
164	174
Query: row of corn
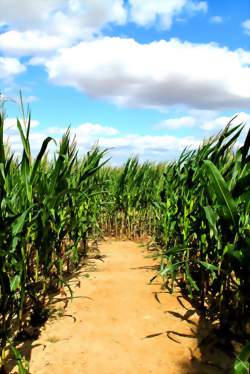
48	210
204	230
196	209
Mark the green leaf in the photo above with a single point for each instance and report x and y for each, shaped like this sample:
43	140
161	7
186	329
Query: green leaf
25	143
242	185
18	224
170	269
190	279
241	365
245	149
40	156
15	282
208	266
221	191
22	363
212	219
230	250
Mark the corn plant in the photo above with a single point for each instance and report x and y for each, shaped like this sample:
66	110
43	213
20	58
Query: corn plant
47	209
205	227
196	209
132	191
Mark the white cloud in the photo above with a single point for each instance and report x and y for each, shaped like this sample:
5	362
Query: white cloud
43	26
85	131
210	121
121	145
143	143
93	130
37	29
10	124
155	75
40	28
30	99
246	26
154	148
216	123
42	14
25	14
12	135
66	21
216	19
145	12
200	6
86	134
176	123
219	123
29	43
244	56
10	67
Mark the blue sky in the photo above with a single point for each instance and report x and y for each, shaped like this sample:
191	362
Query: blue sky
146	77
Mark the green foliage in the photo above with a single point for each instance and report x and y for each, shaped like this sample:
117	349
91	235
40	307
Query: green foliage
204	229
242	362
48	210
132	194
197	209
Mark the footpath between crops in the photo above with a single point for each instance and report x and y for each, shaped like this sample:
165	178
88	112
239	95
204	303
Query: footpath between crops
118	322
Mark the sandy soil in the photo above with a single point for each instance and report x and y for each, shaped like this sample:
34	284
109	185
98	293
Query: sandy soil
118	323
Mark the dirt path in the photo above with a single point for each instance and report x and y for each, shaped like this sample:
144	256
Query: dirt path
120	328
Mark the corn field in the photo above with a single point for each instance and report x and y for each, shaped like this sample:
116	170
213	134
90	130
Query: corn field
130	211
204	230
195	209
48	211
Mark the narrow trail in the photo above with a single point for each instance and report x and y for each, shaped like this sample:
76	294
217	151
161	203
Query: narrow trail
118	327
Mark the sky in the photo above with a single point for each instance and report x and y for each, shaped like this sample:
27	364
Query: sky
145	77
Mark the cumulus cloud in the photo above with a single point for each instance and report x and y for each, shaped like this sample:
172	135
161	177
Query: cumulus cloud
176	123
210	121
29	43
25	14
146	12
10	124
43	14
246	26
244	56
155	75
12	135
143	143
219	123
120	145
75	18
10	67
216	19
86	134
85	131
147	147
44	26
40	28
200	6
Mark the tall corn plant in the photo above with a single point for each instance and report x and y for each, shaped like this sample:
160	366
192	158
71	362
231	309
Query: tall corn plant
16	221
131	195
42	208
204	227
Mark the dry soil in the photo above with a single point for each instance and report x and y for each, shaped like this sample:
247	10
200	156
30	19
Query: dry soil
118	323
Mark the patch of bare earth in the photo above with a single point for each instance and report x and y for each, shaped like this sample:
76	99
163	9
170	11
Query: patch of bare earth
118	323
